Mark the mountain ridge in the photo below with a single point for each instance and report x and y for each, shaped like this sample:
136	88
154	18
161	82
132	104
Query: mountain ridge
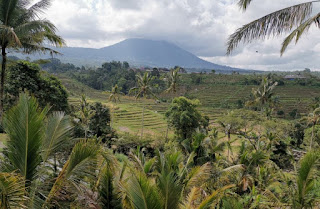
139	53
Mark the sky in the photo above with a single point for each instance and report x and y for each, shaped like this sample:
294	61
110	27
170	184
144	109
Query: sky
199	26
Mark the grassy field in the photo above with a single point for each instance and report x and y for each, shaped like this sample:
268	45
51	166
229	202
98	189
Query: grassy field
218	94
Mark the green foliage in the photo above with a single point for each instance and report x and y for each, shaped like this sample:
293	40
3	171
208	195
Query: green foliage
12	191
263	97
25	126
54	65
99	124
26	76
23	30
183	116
305	193
297	134
173	79
196	78
144	87
109	75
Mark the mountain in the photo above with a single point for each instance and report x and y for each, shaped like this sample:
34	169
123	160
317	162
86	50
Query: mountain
138	52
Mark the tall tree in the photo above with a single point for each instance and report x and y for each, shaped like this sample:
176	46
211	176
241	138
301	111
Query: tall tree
143	90
85	114
173	80
115	94
296	19
26	76
263	97
313	120
26	179
184	117
22	29
114	97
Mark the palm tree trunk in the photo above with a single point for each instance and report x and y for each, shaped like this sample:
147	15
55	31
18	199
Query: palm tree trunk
85	132
55	164
111	119
229	145
312	135
142	120
167	132
2	79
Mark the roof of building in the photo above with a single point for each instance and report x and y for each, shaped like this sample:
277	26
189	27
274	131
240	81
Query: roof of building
295	77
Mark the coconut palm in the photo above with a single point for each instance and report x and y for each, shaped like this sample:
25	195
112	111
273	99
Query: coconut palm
12	191
231	124
114	97
296	19
313	120
173	80
115	94
304	193
21	29
27	177
263	96
85	114
143	89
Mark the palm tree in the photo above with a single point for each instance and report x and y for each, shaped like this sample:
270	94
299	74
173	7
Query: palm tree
304	192
264	95
85	114
26	179
114	97
173	80
231	124
143	90
115	94
22	29
12	191
313	120
296	19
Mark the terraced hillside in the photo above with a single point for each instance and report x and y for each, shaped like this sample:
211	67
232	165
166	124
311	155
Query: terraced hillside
127	114
217	94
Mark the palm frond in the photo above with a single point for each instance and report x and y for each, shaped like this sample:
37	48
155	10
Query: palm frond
272	24
57	130
7	11
170	189
24	125
10	36
39	7
198	175
230	173
206	203
12	191
107	194
191	200
142	193
82	163
296	34
243	4
305	178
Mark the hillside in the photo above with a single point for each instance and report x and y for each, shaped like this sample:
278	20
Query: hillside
218	95
138	52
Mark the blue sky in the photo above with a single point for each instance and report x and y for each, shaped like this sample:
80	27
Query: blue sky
199	26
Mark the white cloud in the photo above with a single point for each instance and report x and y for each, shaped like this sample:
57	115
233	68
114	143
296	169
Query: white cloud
199	26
